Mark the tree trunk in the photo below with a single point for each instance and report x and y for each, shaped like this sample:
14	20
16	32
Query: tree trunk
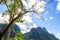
0	36
8	34
10	28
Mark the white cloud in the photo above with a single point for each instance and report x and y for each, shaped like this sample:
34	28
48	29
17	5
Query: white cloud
34	26
49	31
58	0
51	18
40	10
46	12
58	35
58	5
38	16
24	28
46	19
38	5
24	2
27	18
31	2
41	4
27	24
3	19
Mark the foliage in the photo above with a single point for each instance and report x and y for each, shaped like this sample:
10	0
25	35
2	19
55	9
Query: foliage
13	6
18	36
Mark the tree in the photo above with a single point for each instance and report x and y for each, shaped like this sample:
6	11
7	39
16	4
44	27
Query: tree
17	9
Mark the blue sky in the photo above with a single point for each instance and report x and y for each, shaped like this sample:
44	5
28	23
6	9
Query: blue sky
50	20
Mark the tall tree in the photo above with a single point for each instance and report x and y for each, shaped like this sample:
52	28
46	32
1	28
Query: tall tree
17	9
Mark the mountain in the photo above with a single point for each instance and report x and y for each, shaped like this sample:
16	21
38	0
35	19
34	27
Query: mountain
34	34
4	26
39	34
14	30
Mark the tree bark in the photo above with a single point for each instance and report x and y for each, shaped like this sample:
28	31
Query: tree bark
8	34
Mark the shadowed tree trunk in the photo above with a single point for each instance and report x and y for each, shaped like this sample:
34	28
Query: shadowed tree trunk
8	34
10	28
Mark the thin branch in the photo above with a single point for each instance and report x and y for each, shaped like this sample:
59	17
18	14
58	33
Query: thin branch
7	6
32	6
0	1
21	4
33	11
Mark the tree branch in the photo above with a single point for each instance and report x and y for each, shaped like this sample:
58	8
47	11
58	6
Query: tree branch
21	4
33	11
32	6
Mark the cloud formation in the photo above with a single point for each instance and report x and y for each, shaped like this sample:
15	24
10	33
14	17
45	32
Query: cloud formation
51	18
27	18
4	19
58	34
25	26
46	19
38	5
58	5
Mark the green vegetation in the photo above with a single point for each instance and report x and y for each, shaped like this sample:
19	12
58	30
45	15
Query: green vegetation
18	36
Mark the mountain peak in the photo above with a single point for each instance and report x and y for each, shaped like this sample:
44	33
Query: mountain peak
39	34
